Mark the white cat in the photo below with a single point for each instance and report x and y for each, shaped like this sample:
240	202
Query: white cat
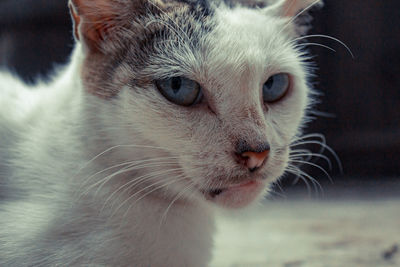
167	109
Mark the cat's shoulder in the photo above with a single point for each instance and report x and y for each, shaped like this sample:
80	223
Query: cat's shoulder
12	89
16	97
10	86
17	100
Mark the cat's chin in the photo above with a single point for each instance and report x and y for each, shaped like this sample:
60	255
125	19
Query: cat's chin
236	196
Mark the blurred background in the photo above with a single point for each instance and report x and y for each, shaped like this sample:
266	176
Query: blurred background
360	97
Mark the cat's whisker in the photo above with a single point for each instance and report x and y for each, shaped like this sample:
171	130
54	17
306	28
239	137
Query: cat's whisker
179	195
112	148
298	15
308	136
327	37
296	156
313	165
303	175
88	188
272	194
316	44
133	163
295	171
310	156
305	153
86	180
304	138
300	151
323	114
94	158
315	183
166	184
163	185
129	168
138	180
323	147
277	183
310	142
108	178
143	178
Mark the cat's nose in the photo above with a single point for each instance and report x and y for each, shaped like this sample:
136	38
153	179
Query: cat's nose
253	159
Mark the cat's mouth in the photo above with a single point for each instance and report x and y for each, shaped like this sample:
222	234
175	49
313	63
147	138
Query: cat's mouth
235	196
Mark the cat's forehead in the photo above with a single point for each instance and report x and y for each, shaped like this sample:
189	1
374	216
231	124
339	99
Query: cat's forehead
247	26
207	4
226	36
197	21
248	30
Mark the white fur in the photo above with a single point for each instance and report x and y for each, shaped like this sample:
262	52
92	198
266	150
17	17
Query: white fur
57	135
54	119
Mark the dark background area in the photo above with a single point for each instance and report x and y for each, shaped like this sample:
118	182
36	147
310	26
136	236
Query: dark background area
362	94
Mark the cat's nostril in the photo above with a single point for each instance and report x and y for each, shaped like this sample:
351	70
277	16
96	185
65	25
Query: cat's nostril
252	160
255	159
251	156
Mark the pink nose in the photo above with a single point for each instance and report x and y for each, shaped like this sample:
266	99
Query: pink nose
253	160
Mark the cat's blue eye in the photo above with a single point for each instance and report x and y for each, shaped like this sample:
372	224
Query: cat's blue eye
180	90
276	87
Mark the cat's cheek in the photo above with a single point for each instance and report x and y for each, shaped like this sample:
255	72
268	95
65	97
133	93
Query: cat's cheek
240	196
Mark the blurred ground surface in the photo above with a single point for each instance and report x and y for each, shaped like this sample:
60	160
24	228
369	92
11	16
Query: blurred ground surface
345	227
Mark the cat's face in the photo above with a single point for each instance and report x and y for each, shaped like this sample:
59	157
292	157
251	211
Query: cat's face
222	90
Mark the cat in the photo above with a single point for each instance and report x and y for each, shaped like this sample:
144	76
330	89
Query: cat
168	111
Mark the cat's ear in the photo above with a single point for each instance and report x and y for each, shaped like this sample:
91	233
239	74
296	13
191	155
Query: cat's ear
291	8
98	20
295	10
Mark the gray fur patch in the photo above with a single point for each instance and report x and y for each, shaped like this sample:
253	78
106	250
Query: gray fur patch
150	34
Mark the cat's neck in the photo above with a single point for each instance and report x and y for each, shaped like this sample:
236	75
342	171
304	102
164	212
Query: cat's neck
183	234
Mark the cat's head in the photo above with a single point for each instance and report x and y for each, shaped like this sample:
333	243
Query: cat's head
221	86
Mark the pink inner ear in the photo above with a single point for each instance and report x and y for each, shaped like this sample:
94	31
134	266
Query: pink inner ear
289	8
93	20
292	7
76	19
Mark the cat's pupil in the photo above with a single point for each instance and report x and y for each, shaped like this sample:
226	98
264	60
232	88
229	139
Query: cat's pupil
176	84
269	83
